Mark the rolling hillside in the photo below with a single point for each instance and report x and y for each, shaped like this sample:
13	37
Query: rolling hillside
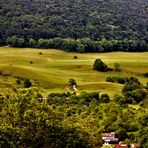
53	68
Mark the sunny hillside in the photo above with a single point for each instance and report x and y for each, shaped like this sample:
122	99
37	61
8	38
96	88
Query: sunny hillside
52	69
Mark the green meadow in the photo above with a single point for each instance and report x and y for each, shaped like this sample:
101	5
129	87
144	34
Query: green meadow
51	69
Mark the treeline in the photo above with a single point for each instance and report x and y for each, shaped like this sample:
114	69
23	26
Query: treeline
79	45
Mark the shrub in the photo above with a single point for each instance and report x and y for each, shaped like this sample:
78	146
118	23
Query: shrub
18	81
1	73
52	95
99	65
27	83
94	95
104	98
130	87
138	95
40	53
72	82
38	95
145	74
119	99
109	79
134	91
117	79
122	134
75	57
84	96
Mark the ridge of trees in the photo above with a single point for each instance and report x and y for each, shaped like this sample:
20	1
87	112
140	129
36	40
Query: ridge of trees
113	25
79	45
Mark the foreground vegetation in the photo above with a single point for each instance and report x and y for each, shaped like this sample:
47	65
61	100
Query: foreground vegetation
38	107
68	119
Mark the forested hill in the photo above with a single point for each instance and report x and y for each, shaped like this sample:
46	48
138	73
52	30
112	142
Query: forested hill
120	20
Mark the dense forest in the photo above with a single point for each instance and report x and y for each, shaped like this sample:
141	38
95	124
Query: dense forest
75	25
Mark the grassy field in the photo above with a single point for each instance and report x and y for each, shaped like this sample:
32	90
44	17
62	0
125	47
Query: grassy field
52	69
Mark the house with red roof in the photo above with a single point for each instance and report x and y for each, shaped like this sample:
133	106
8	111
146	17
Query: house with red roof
121	146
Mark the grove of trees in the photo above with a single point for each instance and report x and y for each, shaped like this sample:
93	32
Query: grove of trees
69	119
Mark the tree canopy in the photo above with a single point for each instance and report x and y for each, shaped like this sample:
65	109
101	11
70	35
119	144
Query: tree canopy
99	65
117	24
72	119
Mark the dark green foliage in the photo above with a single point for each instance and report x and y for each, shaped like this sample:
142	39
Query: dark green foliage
68	98
40	53
145	74
80	48
15	41
11	41
94	95
131	85
71	45
143	137
104	98
117	79
67	120
134	91
99	65
139	95
143	132
39	95
51	95
84	97
27	83
18	81
37	124
32	42
122	134
108	25
120	100
75	57
144	120
72	82
20	42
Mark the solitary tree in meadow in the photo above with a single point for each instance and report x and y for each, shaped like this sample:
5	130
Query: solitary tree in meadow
99	65
27	83
72	82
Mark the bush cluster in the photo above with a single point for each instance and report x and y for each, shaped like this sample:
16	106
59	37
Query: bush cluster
117	79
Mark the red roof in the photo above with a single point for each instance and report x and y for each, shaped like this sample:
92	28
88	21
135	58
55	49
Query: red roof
121	146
